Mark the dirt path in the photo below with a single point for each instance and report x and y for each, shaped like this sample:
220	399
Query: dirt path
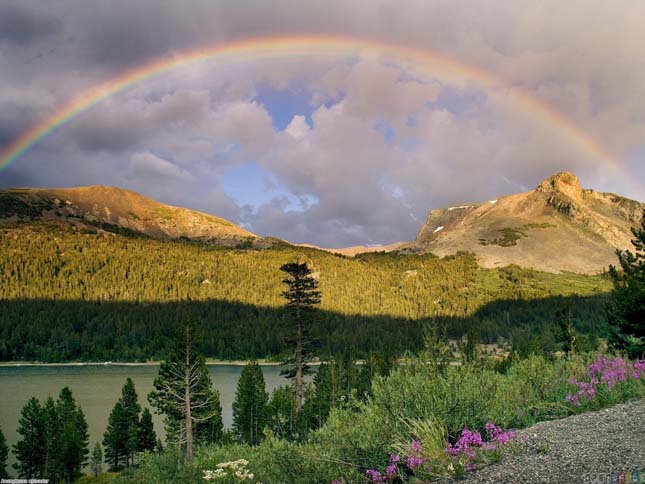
594	447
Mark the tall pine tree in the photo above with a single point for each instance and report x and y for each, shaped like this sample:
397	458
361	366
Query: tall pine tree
146	438
74	438
250	405
184	393
131	412
115	439
626	312
121	439
29	450
302	296
53	445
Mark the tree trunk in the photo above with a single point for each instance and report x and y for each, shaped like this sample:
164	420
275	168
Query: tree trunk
299	363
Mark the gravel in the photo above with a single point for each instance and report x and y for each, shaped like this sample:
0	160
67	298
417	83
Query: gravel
594	447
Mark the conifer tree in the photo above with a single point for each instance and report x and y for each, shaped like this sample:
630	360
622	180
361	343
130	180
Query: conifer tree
374	364
115	439
302	296
29	450
184	393
334	382
4	454
53	445
74	436
146	437
282	412
250	405
626	312
564	320
96	462
131	412
468	348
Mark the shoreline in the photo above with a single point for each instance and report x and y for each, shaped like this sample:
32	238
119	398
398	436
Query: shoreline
21	364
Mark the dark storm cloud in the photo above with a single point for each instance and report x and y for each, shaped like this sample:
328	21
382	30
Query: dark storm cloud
21	25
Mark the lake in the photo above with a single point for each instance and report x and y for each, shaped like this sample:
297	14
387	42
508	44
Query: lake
97	388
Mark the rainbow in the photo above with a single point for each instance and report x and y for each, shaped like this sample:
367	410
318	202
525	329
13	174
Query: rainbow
306	45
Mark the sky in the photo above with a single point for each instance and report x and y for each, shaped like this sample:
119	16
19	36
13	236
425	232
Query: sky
332	150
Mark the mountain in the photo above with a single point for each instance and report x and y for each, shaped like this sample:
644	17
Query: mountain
359	249
116	210
558	226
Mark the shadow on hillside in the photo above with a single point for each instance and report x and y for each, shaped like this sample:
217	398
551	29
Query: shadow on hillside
58	330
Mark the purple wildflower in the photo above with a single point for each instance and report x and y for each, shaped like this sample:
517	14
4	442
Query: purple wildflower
374	475
394	458
414	461
606	371
416	445
390	470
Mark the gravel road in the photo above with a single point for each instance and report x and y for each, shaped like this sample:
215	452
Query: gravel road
594	447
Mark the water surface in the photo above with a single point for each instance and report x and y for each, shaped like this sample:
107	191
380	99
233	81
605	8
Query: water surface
97	388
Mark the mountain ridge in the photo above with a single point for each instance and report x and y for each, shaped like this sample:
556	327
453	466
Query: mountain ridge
105	207
558	226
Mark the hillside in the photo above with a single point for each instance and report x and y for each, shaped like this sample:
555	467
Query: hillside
116	209
558	226
68	294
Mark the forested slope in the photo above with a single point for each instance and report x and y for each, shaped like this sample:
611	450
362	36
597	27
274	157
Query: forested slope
67	295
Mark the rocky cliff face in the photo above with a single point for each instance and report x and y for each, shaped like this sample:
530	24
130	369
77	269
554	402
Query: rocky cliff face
558	226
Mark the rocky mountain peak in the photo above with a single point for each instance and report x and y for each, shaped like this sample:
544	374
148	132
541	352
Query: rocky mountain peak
565	183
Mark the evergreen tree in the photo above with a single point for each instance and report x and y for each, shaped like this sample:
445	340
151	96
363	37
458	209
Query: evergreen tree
29	450
335	382
121	440
468	348
53	445
250	405
4	454
184	393
74	436
375	364
115	439
146	438
302	296
96	463
282	412
564	320
131	412
626	313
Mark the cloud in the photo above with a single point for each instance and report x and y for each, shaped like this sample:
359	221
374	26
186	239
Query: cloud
149	166
21	26
377	144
